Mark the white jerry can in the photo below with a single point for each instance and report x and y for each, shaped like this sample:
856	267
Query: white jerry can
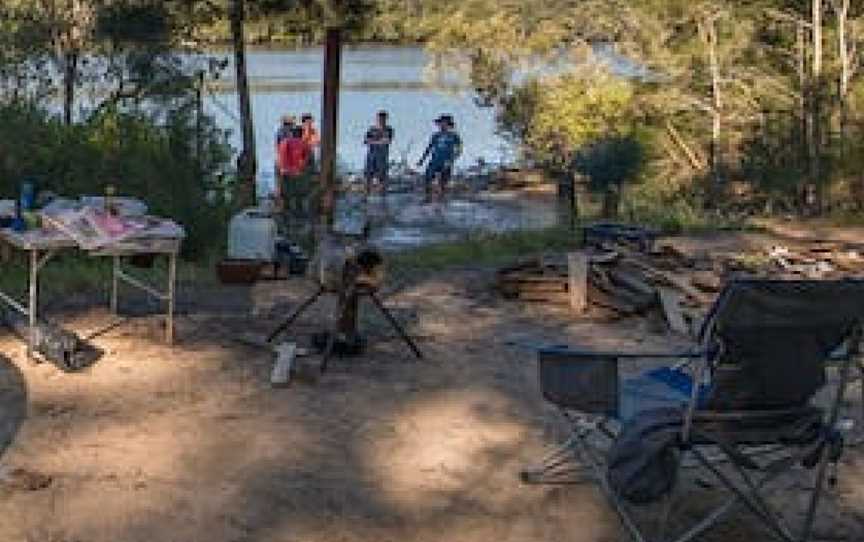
252	236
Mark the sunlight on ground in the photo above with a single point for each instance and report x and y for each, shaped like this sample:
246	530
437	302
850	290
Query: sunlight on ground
438	446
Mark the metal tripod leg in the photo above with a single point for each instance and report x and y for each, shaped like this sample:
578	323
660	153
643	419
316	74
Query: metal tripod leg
341	307
297	312
396	325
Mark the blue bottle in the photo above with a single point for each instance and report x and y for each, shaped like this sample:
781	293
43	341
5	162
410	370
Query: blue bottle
27	196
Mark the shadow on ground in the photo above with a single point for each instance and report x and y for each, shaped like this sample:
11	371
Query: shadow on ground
190	443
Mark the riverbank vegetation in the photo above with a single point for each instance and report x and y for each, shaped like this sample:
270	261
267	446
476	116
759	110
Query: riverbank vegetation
732	108
676	112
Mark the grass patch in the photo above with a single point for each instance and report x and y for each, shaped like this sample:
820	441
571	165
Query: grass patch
485	249
70	273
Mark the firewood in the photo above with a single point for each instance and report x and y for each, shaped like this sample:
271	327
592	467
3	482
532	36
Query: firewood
706	280
669	299
577	282
630	278
671	278
599	297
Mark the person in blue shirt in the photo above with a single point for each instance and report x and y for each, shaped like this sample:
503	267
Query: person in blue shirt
378	140
445	146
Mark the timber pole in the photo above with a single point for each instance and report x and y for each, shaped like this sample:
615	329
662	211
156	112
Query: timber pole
330	123
247	163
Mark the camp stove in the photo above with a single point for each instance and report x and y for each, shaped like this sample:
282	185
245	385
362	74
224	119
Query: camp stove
349	271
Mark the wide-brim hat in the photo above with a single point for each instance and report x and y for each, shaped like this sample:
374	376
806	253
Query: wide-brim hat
446	119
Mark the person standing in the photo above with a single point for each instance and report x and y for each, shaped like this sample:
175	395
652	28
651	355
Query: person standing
310	133
294	176
445	147
288	123
378	139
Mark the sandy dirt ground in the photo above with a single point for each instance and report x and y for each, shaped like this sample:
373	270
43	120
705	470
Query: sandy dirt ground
190	443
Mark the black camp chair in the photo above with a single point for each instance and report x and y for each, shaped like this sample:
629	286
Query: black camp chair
742	406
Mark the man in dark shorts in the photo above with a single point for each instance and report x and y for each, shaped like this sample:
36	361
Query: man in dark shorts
378	139
445	146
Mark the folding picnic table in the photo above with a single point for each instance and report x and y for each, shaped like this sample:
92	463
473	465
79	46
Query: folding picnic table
42	245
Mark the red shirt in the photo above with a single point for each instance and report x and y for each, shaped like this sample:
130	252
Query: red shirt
293	156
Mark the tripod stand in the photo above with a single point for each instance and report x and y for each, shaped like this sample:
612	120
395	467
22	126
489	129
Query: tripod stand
345	320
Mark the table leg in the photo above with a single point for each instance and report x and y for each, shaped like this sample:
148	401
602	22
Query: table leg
114	283
172	291
33	301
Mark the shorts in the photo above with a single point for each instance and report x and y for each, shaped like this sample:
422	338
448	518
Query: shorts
377	166
442	171
295	192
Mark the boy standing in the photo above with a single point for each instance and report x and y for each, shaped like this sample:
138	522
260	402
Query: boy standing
378	139
445	146
310	136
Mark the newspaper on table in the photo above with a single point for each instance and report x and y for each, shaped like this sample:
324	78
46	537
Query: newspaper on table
93	228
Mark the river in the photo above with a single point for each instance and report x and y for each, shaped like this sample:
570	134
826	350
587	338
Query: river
288	81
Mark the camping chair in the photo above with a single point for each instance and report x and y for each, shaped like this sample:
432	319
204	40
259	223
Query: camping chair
742	406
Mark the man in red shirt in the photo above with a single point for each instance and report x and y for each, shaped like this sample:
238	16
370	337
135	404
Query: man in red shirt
294	176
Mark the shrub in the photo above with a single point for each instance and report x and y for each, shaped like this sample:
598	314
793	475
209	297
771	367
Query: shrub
152	158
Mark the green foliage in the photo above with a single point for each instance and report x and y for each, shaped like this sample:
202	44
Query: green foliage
558	116
153	161
611	161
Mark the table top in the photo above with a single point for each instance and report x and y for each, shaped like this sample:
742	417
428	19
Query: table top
41	239
37	239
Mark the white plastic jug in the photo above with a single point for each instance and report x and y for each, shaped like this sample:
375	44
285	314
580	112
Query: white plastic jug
252	236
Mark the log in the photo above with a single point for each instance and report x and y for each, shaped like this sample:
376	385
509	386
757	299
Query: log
631	280
602	299
526	278
577	284
559	286
675	280
706	280
670	300
281	374
562	298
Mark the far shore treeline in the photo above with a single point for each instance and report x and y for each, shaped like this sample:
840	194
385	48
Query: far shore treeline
679	113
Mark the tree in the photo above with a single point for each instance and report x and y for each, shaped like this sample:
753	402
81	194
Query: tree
247	163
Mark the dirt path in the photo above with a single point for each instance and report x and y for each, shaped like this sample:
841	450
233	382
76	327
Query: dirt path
191	444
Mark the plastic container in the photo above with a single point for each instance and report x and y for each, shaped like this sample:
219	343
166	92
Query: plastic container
28	196
252	236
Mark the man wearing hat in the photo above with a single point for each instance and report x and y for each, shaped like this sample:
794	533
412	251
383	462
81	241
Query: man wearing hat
289	122
445	146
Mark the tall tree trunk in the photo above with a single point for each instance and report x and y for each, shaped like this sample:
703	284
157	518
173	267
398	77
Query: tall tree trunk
716	124
841	11
803	121
247	162
70	76
329	122
814	194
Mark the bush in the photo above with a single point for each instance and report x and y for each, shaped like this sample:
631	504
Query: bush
145	157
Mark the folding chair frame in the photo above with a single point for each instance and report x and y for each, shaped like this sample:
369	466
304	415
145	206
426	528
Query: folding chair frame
578	455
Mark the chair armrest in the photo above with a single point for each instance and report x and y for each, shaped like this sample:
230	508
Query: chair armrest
565	350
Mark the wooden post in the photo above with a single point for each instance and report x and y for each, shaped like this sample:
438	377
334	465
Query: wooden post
671	302
247	163
330	123
577	284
